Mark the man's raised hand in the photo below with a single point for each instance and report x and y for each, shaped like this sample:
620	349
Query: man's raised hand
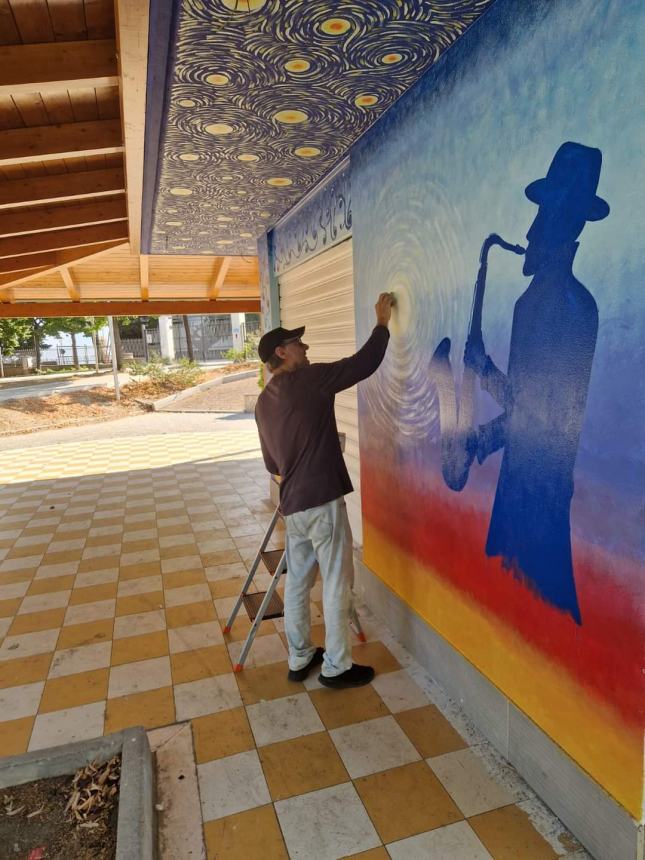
383	308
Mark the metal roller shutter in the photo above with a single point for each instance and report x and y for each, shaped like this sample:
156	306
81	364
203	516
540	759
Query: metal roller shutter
319	294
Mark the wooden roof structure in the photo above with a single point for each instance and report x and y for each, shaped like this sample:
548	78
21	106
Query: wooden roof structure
72	127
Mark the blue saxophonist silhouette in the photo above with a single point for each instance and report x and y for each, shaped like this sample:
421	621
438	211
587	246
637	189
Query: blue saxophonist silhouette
543	394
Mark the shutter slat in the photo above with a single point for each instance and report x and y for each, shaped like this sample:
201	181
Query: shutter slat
319	294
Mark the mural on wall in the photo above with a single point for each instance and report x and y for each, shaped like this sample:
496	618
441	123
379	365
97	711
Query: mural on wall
316	224
264	97
544	392
502	453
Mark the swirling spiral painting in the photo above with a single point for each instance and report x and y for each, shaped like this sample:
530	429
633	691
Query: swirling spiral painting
264	97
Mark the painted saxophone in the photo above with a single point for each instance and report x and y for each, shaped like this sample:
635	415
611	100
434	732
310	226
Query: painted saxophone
456	417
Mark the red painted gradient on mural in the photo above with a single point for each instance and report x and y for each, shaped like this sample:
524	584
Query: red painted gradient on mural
449	535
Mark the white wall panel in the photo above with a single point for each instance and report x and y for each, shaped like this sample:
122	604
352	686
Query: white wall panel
319	294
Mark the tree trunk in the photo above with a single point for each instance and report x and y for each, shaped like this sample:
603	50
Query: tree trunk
189	339
118	347
95	344
74	351
37	347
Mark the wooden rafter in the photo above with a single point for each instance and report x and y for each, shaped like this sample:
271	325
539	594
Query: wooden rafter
68	140
64	186
144	277
61	217
127	308
39	264
54	240
68	280
220	271
57	66
23	274
132	29
25	263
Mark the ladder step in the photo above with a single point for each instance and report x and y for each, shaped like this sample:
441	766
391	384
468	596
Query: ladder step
252	603
271	559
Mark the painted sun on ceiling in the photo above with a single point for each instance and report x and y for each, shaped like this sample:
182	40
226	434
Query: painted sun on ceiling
266	96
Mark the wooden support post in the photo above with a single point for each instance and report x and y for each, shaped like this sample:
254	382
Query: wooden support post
220	271
144	274
71	287
132	37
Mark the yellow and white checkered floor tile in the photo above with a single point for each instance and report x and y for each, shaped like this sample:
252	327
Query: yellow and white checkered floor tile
119	563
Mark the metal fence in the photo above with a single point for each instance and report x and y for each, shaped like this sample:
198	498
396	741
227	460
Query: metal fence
211	336
134	346
24	361
252	323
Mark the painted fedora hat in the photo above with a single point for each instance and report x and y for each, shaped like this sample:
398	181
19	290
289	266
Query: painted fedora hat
571	182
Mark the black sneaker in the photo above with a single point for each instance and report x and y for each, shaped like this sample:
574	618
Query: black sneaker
357	676
301	674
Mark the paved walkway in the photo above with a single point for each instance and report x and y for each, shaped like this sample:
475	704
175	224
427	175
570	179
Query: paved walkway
120	558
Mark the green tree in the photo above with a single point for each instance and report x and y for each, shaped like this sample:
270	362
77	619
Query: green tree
73	326
40	328
128	327
13	332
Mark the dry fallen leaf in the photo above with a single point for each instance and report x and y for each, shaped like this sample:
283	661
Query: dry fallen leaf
93	789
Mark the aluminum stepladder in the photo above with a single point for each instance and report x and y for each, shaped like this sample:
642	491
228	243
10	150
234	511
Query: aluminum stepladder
264	605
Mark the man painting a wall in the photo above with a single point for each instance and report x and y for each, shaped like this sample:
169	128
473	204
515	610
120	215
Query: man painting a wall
299	438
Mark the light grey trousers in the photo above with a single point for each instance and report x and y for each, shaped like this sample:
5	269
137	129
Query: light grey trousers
320	535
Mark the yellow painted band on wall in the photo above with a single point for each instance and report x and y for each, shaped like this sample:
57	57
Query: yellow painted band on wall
590	732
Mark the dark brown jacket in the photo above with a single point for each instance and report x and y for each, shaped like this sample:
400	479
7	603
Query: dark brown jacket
298	433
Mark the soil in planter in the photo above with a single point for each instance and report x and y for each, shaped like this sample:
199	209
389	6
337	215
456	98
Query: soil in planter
52	829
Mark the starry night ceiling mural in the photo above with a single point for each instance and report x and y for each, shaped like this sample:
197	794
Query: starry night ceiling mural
264	97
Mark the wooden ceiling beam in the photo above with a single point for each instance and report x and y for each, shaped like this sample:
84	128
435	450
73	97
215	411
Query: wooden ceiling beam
61	217
68	140
70	285
34	265
63	186
74	256
126	308
55	240
29	261
144	276
131	20
220	270
57	66
16	277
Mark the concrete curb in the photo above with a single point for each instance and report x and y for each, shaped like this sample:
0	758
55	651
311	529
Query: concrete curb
203	386
136	826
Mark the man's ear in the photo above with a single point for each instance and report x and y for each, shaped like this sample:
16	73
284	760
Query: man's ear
281	352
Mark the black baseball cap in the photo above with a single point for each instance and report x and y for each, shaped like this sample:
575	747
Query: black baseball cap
276	337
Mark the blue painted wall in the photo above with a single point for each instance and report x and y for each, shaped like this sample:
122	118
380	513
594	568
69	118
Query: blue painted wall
444	168
449	164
